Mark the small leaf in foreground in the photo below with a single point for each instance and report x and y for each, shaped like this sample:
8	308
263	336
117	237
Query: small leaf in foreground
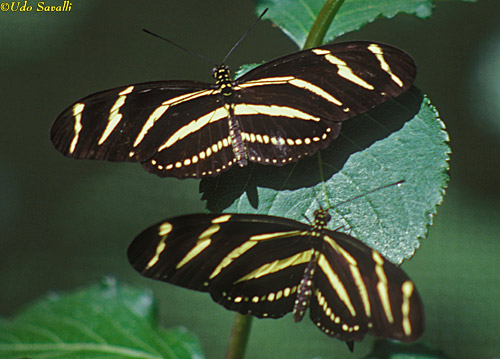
105	321
385	349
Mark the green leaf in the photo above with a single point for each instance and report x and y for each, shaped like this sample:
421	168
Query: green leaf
104	321
402	139
385	349
243	69
295	18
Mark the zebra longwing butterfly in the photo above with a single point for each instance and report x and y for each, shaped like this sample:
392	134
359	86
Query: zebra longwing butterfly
277	113
269	266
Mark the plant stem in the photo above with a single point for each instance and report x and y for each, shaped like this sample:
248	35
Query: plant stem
239	336
242	323
322	23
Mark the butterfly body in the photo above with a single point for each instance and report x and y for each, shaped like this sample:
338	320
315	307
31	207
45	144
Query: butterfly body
275	114
269	266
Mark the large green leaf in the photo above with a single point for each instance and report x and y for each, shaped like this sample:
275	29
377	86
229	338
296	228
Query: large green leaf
107	321
295	17
403	139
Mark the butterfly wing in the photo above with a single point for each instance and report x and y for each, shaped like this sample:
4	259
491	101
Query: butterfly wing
357	291
161	124
275	114
299	101
256	264
251	264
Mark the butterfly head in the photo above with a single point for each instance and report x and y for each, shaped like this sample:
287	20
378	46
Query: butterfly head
321	217
222	76
221	72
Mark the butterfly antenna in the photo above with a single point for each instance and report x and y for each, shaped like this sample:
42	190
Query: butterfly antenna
244	35
371	191
181	47
317	199
307	219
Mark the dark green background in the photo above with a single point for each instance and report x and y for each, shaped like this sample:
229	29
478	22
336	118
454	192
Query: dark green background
66	223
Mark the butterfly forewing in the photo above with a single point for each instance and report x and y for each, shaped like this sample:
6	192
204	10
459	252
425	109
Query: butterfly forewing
261	265
370	296
226	257
120	124
277	113
203	241
333	82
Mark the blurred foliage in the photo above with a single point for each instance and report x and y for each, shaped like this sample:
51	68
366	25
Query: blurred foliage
106	321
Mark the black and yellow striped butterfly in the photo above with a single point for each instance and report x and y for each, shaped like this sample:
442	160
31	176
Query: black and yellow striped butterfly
275	114
269	266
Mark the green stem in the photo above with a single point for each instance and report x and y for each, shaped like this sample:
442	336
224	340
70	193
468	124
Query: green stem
322	177
242	323
239	336
322	23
